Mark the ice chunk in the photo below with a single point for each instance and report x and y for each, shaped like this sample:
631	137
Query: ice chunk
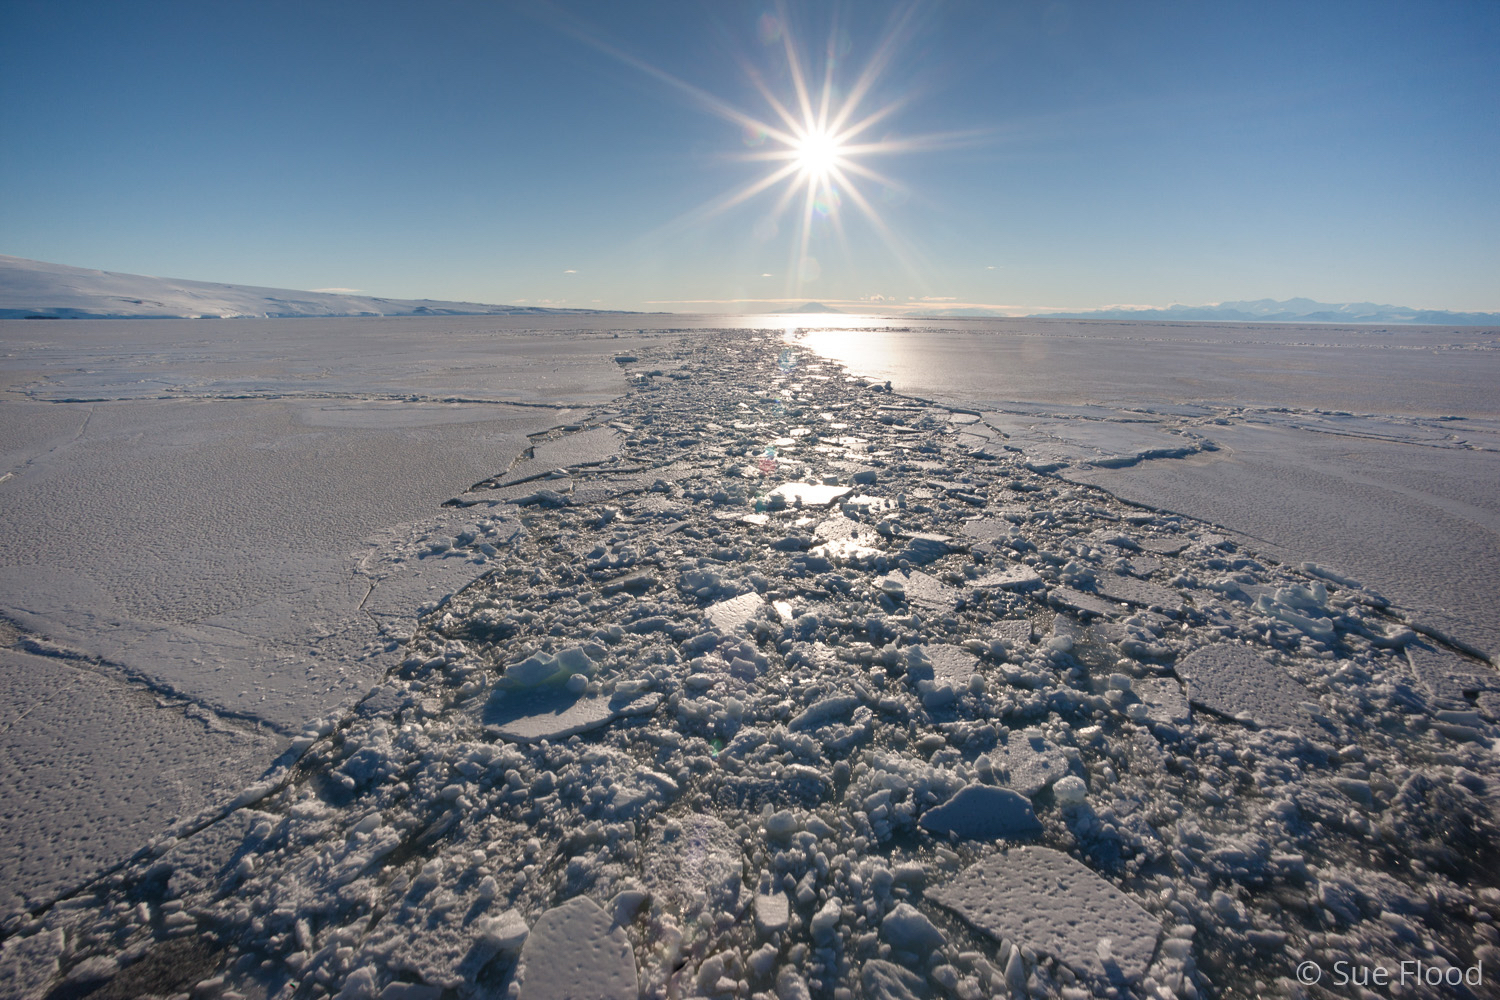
1028	762
1070	791
781	825
827	917
983	812
1042	898
924	548
1164	700
526	716
1015	631
808	494
693	867
791	986
884	980
1067	597
987	529
866	505
944	664
1165	545
772	909
920	588
1142	593
822	710
940	673
1313	624
906	928
734	614
504	932
1239	682
27	964
541	668
1014	577
575	950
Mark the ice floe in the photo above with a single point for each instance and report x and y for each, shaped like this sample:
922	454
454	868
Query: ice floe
983	812
1241	683
576	951
1038	897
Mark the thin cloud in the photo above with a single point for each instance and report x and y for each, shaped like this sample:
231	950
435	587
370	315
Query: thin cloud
339	291
570	271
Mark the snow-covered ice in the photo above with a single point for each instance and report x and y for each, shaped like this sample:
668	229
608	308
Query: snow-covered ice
1041	898
794	772
982	812
1240	682
575	951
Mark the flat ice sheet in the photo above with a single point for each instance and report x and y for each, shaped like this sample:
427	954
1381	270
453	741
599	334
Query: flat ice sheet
236	512
211	544
1419	524
1040	897
1332	448
91	768
1240	682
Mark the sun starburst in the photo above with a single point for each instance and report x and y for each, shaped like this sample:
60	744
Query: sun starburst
817	140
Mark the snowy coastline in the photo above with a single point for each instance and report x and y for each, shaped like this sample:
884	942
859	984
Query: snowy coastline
785	684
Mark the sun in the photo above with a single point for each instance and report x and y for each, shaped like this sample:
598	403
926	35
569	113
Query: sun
816	142
817	153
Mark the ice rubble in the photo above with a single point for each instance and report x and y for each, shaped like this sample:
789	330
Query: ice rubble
793	769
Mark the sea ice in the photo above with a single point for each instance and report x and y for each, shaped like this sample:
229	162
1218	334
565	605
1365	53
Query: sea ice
1013	577
1027	761
1042	898
734	614
693	867
1447	675
576	952
808	494
526	716
1241	683
983	812
1139	592
93	767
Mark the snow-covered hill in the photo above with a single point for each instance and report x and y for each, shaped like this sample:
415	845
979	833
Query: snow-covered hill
36	289
1292	311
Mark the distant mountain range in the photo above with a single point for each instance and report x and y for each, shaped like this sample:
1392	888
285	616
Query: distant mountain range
1291	311
33	289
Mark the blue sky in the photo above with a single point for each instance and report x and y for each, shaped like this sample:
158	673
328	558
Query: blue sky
1050	155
